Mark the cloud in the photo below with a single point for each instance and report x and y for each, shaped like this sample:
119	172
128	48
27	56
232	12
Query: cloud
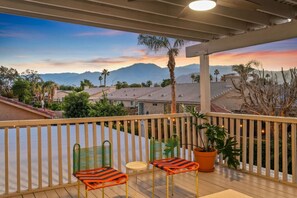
101	33
22	56
12	34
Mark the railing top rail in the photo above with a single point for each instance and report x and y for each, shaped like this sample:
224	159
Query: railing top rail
44	122
254	117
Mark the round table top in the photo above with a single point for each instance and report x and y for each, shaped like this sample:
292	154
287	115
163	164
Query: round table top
137	165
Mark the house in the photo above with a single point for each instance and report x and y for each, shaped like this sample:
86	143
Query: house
14	110
59	95
188	94
128	96
96	93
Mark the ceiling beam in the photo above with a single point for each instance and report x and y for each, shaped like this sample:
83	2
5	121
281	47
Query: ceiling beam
272	34
106	10
163	9
234	13
277	8
28	9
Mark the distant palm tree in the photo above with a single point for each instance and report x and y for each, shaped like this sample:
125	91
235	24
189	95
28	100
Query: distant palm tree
216	73
245	69
193	76
100	79
105	73
197	78
172	46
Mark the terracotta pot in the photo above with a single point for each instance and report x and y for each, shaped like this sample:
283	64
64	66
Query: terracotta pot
206	160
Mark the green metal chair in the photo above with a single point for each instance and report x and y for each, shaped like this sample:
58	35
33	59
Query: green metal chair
92	167
167	158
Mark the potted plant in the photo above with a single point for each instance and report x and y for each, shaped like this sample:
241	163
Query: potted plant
217	142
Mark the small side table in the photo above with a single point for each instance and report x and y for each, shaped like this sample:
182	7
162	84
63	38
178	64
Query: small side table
136	166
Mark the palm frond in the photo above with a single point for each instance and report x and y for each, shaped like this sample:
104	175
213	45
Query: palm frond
155	43
178	43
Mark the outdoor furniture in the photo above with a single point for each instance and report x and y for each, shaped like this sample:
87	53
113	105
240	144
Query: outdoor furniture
167	158
92	166
136	166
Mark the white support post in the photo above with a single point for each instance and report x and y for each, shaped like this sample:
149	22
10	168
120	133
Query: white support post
204	84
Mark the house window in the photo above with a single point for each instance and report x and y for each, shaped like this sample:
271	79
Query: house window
155	104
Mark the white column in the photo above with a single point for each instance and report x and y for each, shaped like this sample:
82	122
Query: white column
204	84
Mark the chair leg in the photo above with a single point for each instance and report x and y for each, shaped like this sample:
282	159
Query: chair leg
78	189
172	187
153	193
102	192
197	186
167	187
86	193
127	189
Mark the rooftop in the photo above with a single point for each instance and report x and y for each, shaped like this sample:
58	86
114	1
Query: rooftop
186	93
131	93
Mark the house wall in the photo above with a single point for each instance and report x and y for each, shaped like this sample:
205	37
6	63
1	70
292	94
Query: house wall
151	108
127	103
8	112
230	101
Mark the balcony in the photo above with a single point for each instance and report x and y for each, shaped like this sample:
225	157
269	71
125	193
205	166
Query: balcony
38	154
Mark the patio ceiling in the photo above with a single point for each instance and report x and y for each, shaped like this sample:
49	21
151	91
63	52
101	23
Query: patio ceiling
170	18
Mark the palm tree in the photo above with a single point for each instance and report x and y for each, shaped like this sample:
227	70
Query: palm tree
193	76
172	46
105	73
197	78
216	73
100	79
245	69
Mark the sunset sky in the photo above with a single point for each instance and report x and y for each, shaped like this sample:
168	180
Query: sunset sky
56	47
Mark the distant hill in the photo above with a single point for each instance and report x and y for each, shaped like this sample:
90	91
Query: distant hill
136	73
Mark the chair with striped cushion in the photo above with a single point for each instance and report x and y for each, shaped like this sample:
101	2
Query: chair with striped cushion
166	156
92	167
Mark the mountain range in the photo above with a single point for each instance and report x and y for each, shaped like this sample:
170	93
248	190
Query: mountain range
136	73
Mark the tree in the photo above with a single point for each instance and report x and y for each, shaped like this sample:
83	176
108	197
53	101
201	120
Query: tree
266	96
100	79
193	76
120	85
165	82
105	73
103	108
49	87
85	83
7	78
210	77
76	105
22	89
216	73
197	78
157	43
149	83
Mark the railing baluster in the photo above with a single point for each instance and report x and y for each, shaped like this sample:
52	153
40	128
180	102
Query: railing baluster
102	131
126	141
77	133
94	130
238	131
60	162
244	144
49	154
259	147
18	159
6	161
165	129
119	145
183	137
159	130
285	151
153	129
221	125
29	158
294	153
189	141
140	122
194	133
177	122
110	123
68	154
39	156
171	126
267	148
146	140
251	146
133	140
276	150
226	126
86	130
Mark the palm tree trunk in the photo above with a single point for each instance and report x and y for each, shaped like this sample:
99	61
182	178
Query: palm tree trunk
171	66
104	80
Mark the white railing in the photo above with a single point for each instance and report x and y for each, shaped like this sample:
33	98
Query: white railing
37	154
268	144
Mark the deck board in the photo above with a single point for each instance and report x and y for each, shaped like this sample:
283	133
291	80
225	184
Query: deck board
184	186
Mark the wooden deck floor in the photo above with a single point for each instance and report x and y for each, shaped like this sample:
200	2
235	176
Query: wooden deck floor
209	183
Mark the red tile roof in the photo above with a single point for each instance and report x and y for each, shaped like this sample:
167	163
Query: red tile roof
44	112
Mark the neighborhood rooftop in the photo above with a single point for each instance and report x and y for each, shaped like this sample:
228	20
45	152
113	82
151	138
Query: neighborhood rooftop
131	93
186	93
